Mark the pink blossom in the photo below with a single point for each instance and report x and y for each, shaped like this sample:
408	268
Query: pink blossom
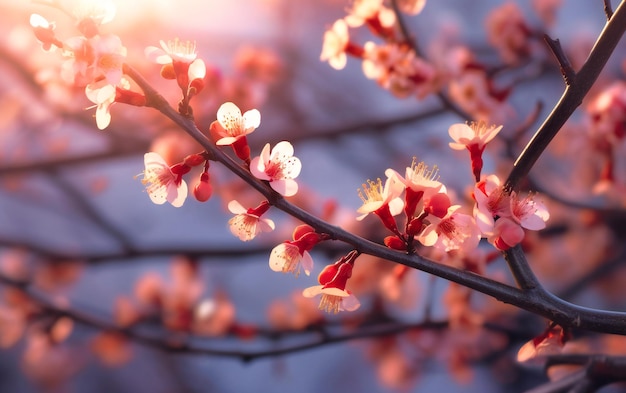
336	41
398	69
528	212
505	234
491	202
231	125
172	51
473	134
333	281
375	196
248	223
44	31
420	183
454	231
472	90
288	257
162	183
279	168
104	97
180	56
508	32
372	11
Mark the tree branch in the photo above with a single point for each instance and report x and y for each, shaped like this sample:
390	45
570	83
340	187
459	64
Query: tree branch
541	303
572	96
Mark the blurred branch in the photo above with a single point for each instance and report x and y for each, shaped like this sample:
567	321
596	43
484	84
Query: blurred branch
187	343
413	44
89	211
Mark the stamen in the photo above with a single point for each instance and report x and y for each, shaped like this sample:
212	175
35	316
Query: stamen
372	191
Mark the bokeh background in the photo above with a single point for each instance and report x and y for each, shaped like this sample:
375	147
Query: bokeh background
69	195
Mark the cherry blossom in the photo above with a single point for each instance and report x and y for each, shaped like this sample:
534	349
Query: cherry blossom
548	343
473	137
172	51
162	182
372	12
231	128
103	96
231	125
44	31
333	281
453	231
474	92
279	168
505	234
420	182
291	256
336	41
375	196
248	223
528	212
472	134
94	58
396	68
491	202
98	11
181	56
508	32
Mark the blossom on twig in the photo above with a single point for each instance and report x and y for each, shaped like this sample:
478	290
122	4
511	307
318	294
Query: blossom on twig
279	167
162	182
248	223
231	128
332	287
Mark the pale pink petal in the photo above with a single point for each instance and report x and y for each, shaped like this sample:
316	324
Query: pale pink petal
350	303
312	291
429	236
177	195
197	70
228	115
257	168
236	208
307	263
277	257
251	119
266	225
282	148
103	117
285	187
225	141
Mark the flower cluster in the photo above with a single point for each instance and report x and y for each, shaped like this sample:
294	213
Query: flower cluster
393	64
93	59
432	219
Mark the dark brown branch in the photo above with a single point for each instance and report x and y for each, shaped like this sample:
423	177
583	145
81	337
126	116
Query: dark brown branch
564	64
572	96
541	303
608	9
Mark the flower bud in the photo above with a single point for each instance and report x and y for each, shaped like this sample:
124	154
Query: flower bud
395	243
203	190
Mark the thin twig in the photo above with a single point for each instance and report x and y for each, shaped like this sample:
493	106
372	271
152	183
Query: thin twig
564	64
